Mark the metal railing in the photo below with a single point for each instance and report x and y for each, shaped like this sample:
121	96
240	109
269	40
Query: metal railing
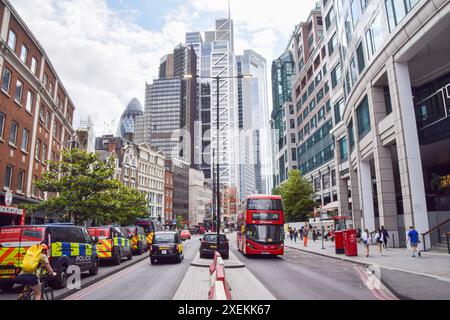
438	229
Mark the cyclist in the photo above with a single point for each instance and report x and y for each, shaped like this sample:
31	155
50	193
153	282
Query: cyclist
33	279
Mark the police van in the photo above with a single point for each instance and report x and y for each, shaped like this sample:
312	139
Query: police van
114	243
69	245
138	239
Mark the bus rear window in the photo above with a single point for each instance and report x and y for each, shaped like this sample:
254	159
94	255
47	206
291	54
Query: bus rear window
101	233
264	204
27	234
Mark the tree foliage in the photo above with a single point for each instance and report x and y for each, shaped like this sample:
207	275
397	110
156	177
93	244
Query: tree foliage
297	195
82	189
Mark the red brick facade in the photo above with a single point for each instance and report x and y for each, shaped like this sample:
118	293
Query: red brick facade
43	111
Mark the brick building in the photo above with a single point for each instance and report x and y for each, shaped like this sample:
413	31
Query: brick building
36	113
168	196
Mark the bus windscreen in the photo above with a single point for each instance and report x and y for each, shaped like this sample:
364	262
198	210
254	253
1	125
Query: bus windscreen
264	233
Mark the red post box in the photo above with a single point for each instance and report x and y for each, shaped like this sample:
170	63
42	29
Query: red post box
339	241
350	243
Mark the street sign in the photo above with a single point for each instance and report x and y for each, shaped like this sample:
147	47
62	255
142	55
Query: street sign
8	198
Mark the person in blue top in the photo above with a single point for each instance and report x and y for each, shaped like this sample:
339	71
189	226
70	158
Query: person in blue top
413	237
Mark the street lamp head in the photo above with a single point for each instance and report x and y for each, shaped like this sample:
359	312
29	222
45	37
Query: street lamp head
187	76
246	76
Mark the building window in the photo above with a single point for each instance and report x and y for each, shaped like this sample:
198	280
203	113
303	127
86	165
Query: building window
317	186
25	138
18	94
321	113
387	100
333	178
45	80
351	136
332	44
8	177
33	65
42	114
12	39
336	75
397	10
47	119
20	181
2	125
356	11
360	57
37	154
363	118
6	80
343	147
44	153
374	36
348	29
294	154
13	133
326	181
33	187
312	105
338	111
329	18
29	103
24	54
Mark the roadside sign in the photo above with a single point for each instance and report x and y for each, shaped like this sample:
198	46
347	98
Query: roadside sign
8	198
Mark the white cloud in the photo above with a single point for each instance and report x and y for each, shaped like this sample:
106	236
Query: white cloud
104	58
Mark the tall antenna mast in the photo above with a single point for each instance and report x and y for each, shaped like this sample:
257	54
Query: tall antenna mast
229	10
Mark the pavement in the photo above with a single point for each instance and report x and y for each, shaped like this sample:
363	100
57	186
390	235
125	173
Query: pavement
430	264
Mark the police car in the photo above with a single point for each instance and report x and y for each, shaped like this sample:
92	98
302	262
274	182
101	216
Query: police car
69	245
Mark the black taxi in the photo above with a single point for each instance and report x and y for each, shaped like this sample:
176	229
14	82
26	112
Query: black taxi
166	245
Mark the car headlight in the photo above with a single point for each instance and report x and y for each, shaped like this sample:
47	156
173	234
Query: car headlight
250	245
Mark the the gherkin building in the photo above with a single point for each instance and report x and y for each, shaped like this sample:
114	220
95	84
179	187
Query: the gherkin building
128	119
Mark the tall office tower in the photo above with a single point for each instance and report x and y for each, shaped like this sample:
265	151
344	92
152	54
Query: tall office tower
247	161
168	119
126	128
313	91
283	69
260	121
216	58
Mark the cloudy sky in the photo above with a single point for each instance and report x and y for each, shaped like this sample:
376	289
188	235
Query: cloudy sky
105	50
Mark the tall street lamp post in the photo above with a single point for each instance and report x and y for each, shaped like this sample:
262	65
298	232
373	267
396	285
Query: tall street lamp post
217	78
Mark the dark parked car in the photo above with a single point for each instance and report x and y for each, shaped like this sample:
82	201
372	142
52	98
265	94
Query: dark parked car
209	245
166	245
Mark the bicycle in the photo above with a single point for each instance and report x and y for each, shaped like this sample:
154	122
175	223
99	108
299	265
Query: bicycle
46	291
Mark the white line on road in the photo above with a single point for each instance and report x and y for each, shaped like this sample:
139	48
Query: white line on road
102	283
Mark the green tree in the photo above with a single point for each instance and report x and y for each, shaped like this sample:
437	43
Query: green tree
180	222
297	195
82	189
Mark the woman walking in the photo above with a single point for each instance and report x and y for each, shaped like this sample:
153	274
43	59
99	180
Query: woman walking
295	235
305	238
365	240
380	240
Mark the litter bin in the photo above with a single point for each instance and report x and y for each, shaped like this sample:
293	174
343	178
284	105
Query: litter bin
339	242
350	243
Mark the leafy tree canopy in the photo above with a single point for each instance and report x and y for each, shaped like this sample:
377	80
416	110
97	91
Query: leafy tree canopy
297	195
81	188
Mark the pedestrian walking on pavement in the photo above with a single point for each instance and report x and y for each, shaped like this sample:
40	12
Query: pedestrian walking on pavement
291	234
380	240
295	235
302	231
305	238
314	235
385	237
413	238
365	240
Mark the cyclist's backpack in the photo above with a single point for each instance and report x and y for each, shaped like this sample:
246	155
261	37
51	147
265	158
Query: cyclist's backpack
32	258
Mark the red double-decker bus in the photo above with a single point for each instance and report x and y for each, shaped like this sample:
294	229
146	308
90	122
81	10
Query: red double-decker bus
261	226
